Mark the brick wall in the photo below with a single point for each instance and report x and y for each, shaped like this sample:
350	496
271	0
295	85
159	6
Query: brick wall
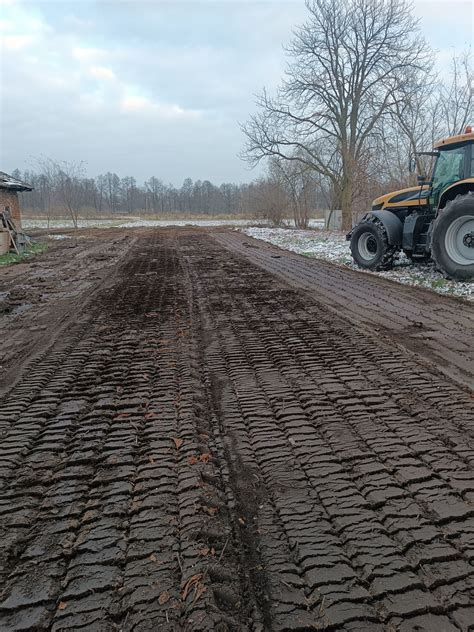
9	199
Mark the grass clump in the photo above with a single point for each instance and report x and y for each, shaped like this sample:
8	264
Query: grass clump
12	257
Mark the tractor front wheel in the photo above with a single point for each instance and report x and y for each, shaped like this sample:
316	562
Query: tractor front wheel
370	248
452	241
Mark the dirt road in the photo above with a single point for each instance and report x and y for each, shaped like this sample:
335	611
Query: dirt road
206	446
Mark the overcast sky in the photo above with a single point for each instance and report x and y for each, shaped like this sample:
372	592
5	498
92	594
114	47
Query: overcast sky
155	88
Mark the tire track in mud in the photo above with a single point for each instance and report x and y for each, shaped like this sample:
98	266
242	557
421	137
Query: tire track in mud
434	327
210	450
126	524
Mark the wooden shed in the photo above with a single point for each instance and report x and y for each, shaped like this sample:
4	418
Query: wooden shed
9	187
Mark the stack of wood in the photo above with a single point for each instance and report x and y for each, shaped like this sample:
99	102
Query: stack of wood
10	237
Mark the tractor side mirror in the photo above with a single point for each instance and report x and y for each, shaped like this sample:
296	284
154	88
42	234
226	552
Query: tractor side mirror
411	164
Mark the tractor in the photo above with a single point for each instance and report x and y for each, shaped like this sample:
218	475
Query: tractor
434	220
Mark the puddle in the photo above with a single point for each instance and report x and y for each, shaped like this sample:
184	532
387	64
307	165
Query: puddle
21	309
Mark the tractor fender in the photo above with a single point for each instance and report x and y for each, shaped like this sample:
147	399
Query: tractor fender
392	225
458	188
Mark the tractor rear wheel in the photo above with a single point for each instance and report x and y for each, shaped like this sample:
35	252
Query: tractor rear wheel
452	241
369	246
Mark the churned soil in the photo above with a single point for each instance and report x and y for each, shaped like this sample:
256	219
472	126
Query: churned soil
211	434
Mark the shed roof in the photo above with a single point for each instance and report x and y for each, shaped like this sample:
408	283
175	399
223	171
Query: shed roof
9	182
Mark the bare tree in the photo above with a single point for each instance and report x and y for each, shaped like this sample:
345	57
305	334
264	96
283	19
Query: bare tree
432	110
66	180
457	98
297	180
68	176
347	66
52	186
269	200
418	118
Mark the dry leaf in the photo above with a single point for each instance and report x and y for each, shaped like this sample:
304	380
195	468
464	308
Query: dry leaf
199	591
192	581
62	605
205	551
242	521
178	443
205	457
192	460
153	558
164	597
150	415
210	510
151	459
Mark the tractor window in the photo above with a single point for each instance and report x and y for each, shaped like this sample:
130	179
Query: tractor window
449	168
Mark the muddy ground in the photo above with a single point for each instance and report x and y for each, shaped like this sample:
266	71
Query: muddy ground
201	432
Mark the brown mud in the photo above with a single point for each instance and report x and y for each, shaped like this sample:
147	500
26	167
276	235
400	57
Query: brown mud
201	442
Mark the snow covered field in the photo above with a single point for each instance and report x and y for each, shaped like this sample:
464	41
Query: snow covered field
332	246
138	222
129	223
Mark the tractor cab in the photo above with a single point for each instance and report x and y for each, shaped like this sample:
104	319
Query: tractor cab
416	219
454	164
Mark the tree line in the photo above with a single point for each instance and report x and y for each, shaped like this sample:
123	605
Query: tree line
62	189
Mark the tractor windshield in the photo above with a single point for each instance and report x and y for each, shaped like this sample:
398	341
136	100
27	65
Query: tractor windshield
449	168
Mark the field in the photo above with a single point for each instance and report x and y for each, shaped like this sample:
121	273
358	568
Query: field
202	431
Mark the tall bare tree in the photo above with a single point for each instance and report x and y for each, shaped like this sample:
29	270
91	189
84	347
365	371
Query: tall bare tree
347	66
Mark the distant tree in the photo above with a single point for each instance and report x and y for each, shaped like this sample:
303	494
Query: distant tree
128	187
63	180
299	183
112	190
68	178
269	199
156	193
186	195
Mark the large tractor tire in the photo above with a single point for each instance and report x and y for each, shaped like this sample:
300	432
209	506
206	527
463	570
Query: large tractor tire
369	246
452	241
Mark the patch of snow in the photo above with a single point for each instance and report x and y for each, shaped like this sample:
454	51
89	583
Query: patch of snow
59	237
163	223
130	223
332	246
139	222
52	224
